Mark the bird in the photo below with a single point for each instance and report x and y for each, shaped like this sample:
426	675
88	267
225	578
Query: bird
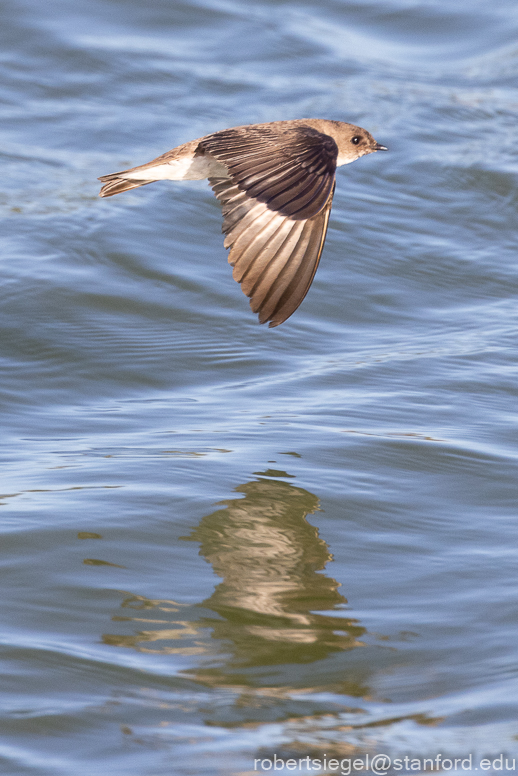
275	182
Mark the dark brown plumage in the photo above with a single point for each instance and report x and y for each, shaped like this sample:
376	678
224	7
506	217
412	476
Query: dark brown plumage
275	183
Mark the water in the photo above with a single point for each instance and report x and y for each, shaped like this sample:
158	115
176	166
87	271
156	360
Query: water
223	542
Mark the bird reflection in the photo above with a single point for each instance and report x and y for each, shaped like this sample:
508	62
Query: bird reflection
273	644
269	557
273	605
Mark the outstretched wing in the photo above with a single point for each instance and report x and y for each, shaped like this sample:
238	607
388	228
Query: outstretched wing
290	170
276	207
275	257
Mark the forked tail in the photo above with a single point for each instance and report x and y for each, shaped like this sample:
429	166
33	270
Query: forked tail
114	185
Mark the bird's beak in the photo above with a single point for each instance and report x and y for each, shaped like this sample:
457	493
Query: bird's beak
379	147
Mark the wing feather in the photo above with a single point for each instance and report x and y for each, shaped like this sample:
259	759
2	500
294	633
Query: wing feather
275	257
276	202
292	170
302	280
273	284
263	270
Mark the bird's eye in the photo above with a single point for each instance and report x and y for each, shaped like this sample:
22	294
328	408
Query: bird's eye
355	140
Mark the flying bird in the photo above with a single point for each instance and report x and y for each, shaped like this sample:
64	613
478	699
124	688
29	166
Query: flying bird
275	182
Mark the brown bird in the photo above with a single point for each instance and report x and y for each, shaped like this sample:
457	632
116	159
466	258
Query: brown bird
276	183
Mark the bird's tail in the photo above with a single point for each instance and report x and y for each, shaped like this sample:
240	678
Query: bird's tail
113	184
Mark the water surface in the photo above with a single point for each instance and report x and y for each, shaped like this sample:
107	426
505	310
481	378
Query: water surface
223	542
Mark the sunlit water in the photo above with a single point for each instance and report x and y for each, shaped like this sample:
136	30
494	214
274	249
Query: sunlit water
222	542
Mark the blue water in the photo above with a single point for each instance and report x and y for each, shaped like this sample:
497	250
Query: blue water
224	543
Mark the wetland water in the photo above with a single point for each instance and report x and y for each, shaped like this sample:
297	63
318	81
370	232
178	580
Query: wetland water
222	542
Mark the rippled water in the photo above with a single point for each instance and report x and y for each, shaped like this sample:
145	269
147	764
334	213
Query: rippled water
223	542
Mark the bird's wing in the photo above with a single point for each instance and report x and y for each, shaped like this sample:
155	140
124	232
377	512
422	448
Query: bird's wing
290	170
276	205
